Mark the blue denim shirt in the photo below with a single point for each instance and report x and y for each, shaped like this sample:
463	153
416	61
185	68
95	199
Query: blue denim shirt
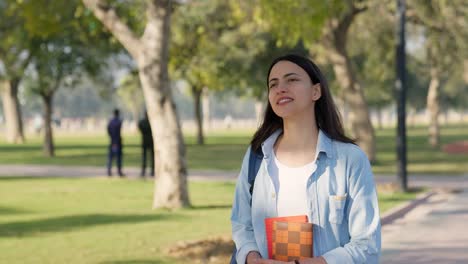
342	203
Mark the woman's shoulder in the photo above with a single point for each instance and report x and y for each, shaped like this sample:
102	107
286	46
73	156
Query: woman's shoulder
348	151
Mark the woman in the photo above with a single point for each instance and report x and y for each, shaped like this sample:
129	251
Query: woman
309	167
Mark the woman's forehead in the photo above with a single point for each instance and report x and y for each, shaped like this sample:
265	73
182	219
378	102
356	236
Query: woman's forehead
283	68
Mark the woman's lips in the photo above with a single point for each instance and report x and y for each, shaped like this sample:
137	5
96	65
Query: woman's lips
284	100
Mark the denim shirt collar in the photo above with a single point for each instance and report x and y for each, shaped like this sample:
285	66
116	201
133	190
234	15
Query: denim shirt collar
324	144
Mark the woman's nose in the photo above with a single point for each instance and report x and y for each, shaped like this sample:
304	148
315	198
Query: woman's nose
282	88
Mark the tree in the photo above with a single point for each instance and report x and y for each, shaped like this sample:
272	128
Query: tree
59	56
372	54
445	41
15	55
195	49
56	64
150	52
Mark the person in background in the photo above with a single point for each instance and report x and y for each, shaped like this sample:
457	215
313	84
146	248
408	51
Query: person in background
147	146
115	147
309	167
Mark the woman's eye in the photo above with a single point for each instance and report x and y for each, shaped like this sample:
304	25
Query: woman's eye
272	85
292	80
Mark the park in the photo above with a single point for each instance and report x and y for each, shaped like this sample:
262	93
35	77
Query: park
198	70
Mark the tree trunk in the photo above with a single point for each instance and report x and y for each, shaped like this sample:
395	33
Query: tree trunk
379	117
12	111
205	102
361	125
48	147
434	108
197	93
151	53
171	170
465	70
259	110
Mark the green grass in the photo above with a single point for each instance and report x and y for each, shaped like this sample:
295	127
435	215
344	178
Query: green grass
422	158
390	200
100	220
224	151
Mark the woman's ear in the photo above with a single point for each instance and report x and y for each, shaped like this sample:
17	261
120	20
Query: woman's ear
316	91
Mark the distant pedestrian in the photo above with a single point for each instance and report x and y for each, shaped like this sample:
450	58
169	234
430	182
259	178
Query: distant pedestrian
146	145
115	147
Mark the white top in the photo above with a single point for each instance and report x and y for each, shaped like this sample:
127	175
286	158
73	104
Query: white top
292	186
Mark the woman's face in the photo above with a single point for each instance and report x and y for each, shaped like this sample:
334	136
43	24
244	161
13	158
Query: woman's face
290	91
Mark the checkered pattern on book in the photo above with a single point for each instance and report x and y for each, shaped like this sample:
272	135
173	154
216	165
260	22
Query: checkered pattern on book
292	241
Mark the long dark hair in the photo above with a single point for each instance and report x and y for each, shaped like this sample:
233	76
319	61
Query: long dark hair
327	116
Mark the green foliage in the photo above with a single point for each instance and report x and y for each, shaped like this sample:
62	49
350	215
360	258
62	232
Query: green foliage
443	26
16	42
372	49
131	93
217	44
68	42
455	91
292	21
197	43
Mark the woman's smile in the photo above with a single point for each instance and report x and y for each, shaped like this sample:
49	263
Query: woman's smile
284	100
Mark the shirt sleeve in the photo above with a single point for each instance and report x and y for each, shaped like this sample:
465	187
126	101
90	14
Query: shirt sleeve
363	216
241	215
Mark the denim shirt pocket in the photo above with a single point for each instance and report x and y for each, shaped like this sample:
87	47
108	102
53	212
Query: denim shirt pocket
337	205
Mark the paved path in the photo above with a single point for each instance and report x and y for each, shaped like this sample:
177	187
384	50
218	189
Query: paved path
436	181
434	232
89	171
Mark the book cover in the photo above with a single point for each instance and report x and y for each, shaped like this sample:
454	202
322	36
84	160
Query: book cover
291	241
269	228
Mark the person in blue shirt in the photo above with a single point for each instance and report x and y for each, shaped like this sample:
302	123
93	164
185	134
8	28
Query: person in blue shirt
310	167
115	147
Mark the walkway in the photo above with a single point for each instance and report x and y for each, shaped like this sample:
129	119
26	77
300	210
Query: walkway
434	232
434	181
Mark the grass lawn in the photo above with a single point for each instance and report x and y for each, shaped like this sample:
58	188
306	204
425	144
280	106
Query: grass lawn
227	149
100	220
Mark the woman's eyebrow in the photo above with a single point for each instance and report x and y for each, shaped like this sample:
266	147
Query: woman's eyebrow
289	74
284	76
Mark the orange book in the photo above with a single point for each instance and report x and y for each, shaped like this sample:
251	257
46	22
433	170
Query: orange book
269	228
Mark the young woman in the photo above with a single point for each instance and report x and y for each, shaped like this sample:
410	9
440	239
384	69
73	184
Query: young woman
309	168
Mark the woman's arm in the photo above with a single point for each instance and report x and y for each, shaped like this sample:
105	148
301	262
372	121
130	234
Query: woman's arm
362	215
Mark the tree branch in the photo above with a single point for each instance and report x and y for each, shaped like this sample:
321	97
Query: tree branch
107	15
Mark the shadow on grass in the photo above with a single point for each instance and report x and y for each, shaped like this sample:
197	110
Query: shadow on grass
29	178
68	223
132	261
9	211
204	207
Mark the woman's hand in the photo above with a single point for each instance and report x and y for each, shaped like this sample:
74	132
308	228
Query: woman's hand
253	257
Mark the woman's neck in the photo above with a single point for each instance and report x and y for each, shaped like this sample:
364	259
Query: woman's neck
299	135
297	145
